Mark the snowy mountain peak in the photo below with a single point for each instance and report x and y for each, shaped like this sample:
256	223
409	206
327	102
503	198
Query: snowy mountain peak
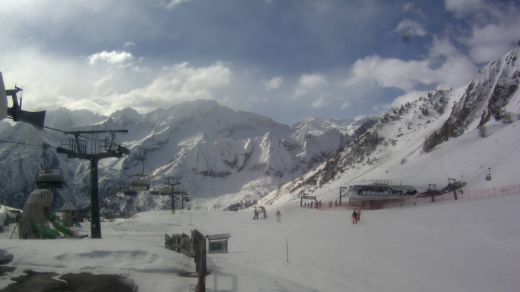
65	119
126	113
493	95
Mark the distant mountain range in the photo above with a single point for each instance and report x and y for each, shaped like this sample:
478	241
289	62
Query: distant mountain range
222	156
213	150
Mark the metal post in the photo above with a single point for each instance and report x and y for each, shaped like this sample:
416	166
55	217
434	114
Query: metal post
287	249
173	201
199	244
76	150
95	226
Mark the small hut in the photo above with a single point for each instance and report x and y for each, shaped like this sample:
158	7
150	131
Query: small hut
69	214
218	243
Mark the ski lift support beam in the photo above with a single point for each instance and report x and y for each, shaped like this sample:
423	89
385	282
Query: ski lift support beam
172	191
343	192
15	112
307	198
75	151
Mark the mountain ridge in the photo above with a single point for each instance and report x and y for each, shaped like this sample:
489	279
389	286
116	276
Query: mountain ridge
214	151
430	139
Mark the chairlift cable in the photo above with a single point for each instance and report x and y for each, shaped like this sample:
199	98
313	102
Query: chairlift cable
19	143
44	144
54	129
495	159
46	127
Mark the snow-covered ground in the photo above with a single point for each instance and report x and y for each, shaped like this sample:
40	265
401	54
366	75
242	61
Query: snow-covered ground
451	246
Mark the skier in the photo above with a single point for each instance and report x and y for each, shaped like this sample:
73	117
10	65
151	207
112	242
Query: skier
278	216
264	212
354	217
256	214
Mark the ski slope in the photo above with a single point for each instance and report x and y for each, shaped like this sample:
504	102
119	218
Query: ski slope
456	246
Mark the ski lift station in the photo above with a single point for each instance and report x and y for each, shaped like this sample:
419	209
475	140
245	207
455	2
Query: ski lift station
377	191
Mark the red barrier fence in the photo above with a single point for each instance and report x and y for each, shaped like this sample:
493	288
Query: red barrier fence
464	194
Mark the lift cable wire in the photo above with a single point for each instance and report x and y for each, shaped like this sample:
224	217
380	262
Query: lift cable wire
54	129
21	143
46	127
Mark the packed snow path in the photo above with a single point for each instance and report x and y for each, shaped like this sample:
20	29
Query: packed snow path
455	246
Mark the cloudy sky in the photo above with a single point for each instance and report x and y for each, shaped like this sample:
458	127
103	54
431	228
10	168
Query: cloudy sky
287	59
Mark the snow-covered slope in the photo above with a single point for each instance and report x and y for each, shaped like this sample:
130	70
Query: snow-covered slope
460	246
446	134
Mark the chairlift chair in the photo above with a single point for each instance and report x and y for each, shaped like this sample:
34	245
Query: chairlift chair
139	183
154	191
163	191
49	178
129	192
488	175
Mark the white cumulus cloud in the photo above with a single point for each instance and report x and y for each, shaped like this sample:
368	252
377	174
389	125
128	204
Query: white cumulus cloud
178	83
494	26
273	83
407	75
172	4
311	81
111	58
492	40
460	7
408	27
309	84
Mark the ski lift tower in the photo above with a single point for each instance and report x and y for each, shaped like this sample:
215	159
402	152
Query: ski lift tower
82	146
170	187
169	190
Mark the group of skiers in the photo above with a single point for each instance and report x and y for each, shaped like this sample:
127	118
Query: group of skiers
264	213
356	213
257	213
312	204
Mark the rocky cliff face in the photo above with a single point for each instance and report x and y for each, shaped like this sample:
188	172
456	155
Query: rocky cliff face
485	97
374	138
